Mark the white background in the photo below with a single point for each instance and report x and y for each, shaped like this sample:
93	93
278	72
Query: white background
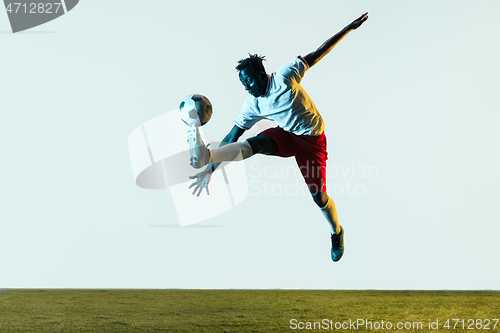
413	92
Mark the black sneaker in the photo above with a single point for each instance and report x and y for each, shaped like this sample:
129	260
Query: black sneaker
338	245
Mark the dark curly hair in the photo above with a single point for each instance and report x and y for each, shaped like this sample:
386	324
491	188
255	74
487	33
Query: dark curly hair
254	61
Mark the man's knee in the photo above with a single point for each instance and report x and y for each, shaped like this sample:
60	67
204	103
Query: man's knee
320	198
262	144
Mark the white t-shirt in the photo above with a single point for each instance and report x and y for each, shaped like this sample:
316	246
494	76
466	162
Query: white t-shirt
285	102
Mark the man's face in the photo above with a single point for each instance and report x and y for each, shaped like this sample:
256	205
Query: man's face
254	82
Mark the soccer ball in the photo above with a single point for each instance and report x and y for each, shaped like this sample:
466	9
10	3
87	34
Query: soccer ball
195	110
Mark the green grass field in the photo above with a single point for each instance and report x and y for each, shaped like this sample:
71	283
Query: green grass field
71	310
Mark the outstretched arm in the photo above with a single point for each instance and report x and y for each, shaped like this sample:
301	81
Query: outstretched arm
315	56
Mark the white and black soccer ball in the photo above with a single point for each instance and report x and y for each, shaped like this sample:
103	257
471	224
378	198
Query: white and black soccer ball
195	110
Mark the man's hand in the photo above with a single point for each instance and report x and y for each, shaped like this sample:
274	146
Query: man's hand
358	22
315	56
201	182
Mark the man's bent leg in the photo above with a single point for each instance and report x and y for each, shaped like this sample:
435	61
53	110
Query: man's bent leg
329	210
260	144
327	206
236	151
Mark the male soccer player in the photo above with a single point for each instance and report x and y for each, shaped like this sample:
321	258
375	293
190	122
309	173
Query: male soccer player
279	97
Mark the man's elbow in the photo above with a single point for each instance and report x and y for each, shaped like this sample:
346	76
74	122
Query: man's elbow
235	133
231	137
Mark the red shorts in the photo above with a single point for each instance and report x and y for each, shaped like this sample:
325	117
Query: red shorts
309	152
